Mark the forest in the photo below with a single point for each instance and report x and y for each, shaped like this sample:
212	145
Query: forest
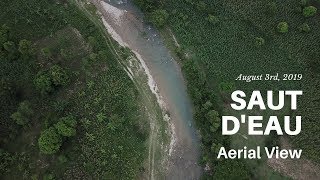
218	40
65	111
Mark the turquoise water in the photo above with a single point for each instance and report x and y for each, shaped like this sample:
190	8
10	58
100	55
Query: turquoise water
144	39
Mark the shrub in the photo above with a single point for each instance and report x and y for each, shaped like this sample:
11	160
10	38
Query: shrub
259	41
58	75
212	19
309	11
159	17
304	27
50	141
283	27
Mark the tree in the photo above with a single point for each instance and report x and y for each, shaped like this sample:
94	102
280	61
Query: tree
215	148
115	122
201	5
65	53
207	105
146	5
11	49
25	47
271	8
66	126
231	169
48	177
58	75
60	105
65	130
7	160
4	34
212	19
69	120
214	119
23	114
5	87
62	159
9	46
259	41
46	52
43	83
25	108
304	28
304	2
50	141
283	27
159	17
19	118
309	11
92	41
101	117
93	57
228	87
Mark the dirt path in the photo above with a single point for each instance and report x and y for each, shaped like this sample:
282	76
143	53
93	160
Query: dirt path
155	139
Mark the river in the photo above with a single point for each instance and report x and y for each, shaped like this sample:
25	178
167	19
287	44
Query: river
129	27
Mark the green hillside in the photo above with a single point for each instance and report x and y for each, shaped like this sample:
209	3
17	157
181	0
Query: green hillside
65	111
218	41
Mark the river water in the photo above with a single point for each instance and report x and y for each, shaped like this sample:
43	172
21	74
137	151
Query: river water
145	40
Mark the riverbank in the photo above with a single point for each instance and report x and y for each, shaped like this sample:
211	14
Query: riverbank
145	42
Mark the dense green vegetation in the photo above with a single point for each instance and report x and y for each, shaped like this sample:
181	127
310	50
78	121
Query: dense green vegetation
309	11
220	40
283	27
65	111
159	18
